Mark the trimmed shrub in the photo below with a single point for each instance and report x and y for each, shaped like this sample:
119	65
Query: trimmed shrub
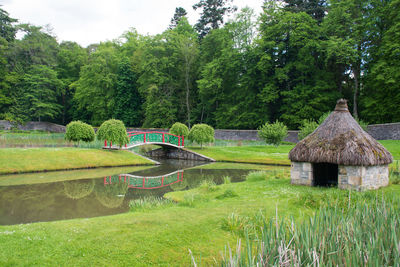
179	129
79	131
113	131
273	133
201	133
306	128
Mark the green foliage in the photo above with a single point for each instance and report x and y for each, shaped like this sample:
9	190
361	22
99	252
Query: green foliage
201	133
273	133
179	129
113	131
79	131
306	128
323	117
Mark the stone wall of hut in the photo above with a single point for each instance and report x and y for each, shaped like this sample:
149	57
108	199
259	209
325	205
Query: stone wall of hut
349	177
363	177
301	173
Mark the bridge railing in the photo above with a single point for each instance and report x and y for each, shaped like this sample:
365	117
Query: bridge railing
155	137
141	182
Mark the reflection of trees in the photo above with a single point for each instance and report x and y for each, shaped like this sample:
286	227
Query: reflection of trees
179	186
78	189
111	195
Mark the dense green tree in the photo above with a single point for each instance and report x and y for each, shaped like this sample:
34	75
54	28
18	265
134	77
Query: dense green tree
71	58
180	12
37	47
160	111
95	89
7	36
187	53
179	129
212	14
41	87
128	102
346	28
297	85
7	29
315	8
381	96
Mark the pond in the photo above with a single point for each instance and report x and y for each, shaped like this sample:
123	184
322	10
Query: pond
64	195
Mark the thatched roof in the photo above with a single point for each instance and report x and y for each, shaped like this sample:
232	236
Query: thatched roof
340	140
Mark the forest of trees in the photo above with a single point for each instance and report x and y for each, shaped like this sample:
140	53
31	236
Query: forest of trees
290	63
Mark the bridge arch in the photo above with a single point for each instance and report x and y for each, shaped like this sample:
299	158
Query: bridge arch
148	138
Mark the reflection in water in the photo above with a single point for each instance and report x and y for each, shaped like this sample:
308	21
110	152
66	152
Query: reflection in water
145	182
78	189
113	195
101	196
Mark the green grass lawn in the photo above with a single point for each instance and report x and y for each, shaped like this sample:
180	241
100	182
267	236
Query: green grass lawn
393	146
17	160
267	154
248	154
162	236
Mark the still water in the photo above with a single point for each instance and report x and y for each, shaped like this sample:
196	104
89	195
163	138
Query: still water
84	194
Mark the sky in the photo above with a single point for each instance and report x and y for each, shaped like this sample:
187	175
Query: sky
91	21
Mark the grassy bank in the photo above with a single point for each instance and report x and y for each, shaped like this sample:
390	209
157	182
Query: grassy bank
18	160
248	154
59	176
204	220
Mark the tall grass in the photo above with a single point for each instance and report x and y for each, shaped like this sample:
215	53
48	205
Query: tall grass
361	233
149	203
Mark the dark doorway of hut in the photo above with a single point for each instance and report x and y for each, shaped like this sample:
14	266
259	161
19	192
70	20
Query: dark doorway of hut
325	174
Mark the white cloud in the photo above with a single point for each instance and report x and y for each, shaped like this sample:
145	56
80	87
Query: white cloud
92	21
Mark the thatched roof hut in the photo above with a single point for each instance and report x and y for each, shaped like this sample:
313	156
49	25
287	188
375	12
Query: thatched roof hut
341	140
338	141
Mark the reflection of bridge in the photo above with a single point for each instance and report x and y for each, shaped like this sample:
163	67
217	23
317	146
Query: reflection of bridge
146	182
147	138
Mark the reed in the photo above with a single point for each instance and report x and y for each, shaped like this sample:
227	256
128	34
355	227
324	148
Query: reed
149	203
363	233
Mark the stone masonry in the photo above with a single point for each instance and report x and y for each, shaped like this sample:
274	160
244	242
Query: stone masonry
350	177
363	177
301	173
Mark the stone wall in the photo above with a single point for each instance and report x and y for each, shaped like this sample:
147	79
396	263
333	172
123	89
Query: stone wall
363	177
301	173
389	131
34	125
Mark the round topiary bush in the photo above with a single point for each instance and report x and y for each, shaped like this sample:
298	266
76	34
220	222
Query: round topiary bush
201	133
179	129
79	131
273	133
113	131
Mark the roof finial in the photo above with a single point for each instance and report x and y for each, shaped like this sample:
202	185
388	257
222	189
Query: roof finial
341	105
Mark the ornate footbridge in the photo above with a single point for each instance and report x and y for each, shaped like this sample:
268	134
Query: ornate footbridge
147	138
148	182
